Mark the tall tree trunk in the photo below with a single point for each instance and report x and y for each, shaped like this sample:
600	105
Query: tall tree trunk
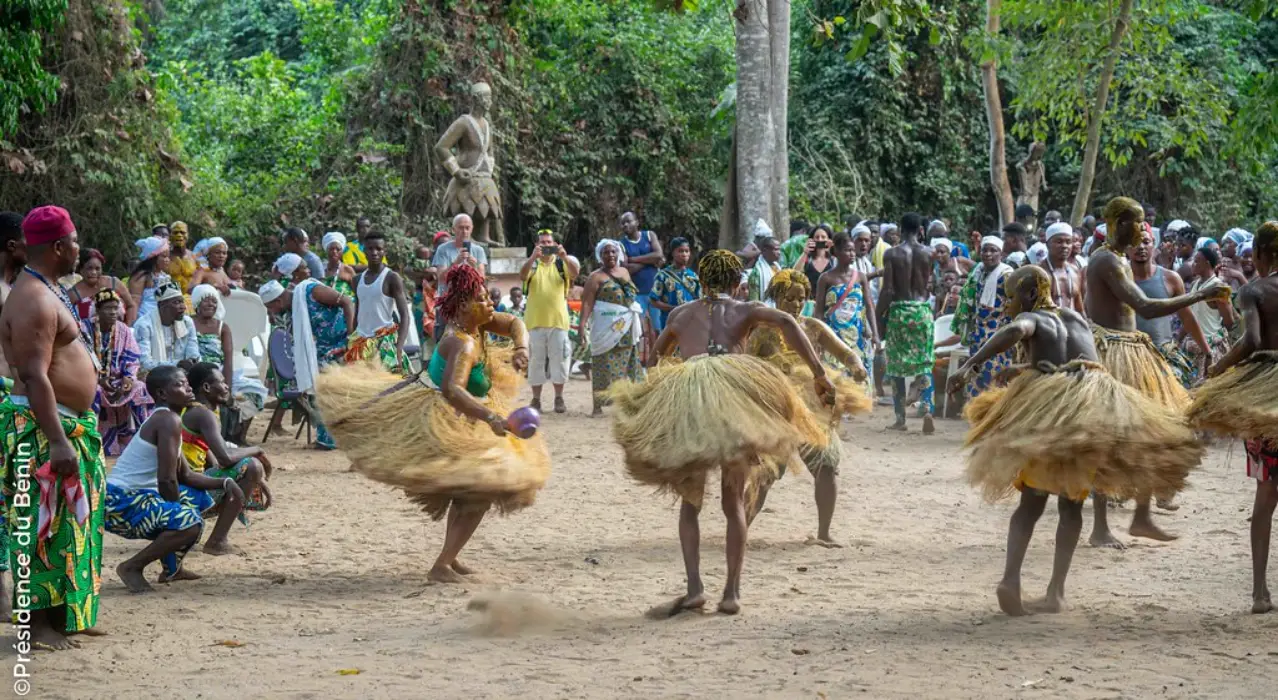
731	210
994	114
754	127
779	29
1097	115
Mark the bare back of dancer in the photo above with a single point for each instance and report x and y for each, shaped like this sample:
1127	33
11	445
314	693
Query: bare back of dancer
907	271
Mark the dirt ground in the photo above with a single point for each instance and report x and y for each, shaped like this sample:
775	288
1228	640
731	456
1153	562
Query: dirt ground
329	597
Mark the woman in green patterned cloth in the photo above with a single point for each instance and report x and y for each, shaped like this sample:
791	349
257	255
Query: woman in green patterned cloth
612	320
337	274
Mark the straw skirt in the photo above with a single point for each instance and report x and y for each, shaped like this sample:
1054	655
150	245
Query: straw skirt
415	440
1242	402
731	412
1074	429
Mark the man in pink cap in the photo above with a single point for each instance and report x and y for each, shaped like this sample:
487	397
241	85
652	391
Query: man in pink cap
53	471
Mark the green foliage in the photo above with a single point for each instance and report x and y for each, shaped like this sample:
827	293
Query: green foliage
26	84
867	141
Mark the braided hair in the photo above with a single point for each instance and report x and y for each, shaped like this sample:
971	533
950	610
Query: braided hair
785	280
1267	238
465	284
720	270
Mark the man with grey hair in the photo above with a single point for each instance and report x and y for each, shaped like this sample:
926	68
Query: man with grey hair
459	251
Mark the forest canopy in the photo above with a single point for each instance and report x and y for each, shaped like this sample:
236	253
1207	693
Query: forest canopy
244	116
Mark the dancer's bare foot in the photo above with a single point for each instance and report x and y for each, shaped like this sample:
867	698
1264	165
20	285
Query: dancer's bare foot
929	427
676	606
827	542
1105	540
1150	531
461	568
899	425
133	578
444	574
729	606
1261	606
46	638
1009	599
217	548
182	574
596	412
1167	504
1047	604
90	632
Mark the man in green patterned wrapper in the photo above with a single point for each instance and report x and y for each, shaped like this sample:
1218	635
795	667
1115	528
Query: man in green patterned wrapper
51	446
906	314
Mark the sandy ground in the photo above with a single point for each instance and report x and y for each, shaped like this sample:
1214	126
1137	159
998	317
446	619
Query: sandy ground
329	597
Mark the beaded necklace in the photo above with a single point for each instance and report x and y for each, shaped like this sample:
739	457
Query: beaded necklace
104	346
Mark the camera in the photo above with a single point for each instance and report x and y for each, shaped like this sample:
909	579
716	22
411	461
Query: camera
549	249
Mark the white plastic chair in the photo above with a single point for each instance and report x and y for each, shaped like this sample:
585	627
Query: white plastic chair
250	329
958	354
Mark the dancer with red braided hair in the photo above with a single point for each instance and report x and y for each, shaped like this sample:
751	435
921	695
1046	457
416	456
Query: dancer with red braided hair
442	437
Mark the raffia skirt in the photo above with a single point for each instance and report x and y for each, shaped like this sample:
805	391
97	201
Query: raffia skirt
415	440
735	413
1242	402
1133	359
1073	429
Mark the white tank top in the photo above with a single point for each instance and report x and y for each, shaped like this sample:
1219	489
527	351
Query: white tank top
376	309
137	465
1209	319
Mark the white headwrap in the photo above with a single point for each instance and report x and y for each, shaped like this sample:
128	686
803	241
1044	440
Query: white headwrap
204	291
1244	249
1060	228
214	242
992	240
604	243
334	237
1237	235
860	230
949	245
1038	253
288	263
1016	259
1175	226
270	291
1203	242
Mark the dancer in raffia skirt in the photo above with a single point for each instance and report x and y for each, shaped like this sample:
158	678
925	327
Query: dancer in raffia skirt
716	410
1241	400
1065	426
789	290
1113	302
446	445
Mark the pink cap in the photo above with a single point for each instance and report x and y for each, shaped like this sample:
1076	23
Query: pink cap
46	224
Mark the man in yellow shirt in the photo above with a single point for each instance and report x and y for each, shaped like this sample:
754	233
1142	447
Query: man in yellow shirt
547	277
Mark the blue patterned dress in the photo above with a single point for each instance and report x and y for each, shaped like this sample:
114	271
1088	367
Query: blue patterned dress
976	323
674	287
845	315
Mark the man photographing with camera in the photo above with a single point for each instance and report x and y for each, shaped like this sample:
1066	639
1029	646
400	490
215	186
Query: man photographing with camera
547	277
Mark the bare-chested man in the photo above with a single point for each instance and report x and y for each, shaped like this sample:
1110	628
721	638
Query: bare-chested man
905	319
51	440
1059	401
719	325
1113	301
1067	278
1243	402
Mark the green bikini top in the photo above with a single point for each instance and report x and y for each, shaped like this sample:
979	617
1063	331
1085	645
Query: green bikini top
477	384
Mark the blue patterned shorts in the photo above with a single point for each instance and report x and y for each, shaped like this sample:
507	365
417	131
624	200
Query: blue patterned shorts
143	514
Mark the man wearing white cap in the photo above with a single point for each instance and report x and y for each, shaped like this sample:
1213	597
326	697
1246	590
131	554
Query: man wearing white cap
1067	279
166	335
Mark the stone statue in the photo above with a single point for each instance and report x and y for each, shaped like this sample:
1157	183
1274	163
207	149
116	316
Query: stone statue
1033	176
472	189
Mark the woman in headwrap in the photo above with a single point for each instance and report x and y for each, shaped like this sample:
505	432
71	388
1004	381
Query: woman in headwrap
1233	239
153	260
248	395
613	320
338	274
982	311
676	283
182	265
943	261
448	447
844	303
122	403
216	253
93	281
318	321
